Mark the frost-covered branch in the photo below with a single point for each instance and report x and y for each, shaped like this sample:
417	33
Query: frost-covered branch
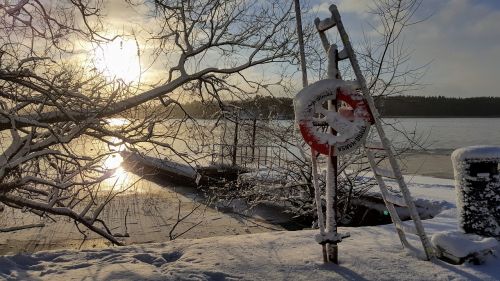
56	103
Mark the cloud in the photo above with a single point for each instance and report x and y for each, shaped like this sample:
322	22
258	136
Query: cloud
345	6
463	40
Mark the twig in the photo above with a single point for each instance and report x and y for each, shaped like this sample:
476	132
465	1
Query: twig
16	228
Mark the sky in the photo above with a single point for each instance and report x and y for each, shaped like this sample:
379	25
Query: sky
459	42
460	39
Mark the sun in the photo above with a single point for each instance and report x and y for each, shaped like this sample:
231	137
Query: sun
119	59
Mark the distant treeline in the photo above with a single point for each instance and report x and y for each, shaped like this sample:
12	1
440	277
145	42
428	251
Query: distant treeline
439	106
394	106
259	106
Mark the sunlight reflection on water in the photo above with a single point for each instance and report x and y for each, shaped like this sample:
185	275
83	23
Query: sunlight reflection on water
114	160
120	179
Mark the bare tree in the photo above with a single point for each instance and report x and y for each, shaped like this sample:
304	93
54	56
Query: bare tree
53	106
388	69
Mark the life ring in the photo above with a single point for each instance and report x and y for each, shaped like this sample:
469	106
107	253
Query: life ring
351	121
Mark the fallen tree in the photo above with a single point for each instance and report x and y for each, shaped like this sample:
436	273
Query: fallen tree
55	108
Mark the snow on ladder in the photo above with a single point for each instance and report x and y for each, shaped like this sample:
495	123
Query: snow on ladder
390	199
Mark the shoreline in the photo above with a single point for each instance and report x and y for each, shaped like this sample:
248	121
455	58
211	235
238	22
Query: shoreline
435	117
436	165
154	209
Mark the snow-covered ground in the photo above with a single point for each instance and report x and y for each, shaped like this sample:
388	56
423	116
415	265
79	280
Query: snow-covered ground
371	253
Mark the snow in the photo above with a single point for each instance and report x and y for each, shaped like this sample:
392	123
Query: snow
162	164
310	101
318	92
340	124
430	188
461	244
330	237
479	152
478	188
370	253
267	175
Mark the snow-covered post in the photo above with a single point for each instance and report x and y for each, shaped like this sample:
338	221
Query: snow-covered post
343	135
477	182
331	178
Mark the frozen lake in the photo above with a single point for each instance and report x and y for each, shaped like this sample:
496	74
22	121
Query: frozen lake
447	134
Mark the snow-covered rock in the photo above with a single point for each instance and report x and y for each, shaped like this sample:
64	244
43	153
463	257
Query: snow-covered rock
462	245
479	152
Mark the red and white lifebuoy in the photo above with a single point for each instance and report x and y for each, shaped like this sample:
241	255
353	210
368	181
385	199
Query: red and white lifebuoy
351	121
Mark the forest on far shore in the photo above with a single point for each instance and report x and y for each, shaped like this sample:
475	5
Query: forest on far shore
411	106
393	106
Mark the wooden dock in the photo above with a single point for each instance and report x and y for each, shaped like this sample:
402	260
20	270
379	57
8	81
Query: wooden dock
175	172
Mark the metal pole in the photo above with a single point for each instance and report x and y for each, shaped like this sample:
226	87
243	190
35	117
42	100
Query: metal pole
301	43
305	83
235	139
254	131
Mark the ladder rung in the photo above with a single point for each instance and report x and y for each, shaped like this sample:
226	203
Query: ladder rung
325	24
353	84
343	55
374	146
384	173
396	200
406	227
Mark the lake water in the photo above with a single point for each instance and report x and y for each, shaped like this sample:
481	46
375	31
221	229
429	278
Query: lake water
435	135
447	134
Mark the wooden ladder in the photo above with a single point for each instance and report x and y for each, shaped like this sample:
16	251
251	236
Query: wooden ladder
390	199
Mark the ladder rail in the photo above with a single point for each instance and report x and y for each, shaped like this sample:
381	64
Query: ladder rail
383	138
390	207
348	49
